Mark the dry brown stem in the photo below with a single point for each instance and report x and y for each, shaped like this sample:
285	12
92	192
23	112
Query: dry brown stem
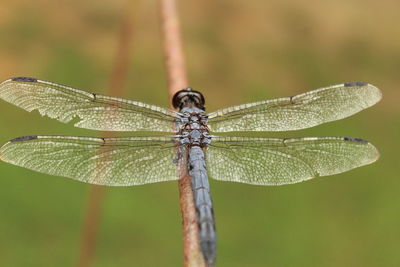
177	80
93	210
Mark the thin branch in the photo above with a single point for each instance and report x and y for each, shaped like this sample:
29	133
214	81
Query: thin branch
173	51
177	80
90	226
96	194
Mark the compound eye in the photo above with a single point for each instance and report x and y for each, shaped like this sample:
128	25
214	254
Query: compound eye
177	98
188	97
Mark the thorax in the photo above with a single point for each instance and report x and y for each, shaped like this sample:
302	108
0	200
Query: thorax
193	129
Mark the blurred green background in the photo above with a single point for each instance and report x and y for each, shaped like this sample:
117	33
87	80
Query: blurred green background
237	51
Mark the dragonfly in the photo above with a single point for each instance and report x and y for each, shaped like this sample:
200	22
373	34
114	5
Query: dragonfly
190	141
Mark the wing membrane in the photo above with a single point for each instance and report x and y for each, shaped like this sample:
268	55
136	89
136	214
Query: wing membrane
94	111
268	161
119	161
297	112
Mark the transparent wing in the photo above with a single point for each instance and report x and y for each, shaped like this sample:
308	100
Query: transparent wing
93	111
297	112
120	161
267	161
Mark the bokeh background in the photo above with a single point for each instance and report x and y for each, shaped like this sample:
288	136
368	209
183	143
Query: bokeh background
237	51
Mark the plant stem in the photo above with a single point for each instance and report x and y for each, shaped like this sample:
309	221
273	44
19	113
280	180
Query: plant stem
96	194
177	80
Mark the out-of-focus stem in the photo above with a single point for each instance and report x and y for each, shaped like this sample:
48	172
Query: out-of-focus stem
93	210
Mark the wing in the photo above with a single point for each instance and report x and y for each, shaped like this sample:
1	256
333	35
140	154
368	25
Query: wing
297	112
93	111
120	161
267	161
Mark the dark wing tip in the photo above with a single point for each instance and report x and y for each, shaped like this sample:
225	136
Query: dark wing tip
355	139
24	138
355	84
24	79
